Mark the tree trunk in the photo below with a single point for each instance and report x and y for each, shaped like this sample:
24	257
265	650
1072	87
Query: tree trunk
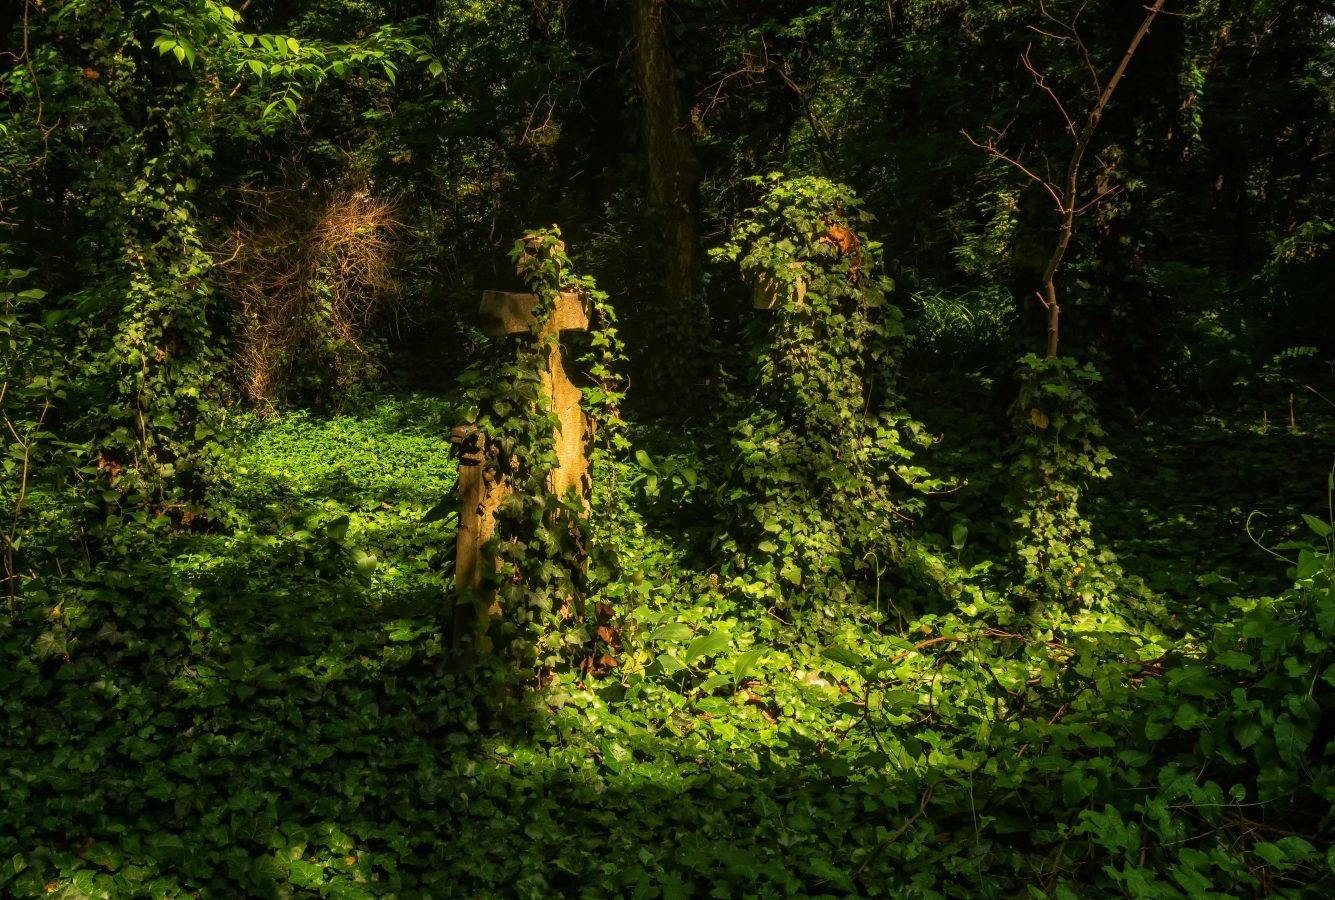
673	181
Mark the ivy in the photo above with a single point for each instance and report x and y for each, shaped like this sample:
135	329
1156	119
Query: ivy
544	550
1059	452
823	460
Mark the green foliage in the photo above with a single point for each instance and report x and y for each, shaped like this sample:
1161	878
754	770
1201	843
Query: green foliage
256	711
963	329
226	640
824	448
1059	451
32	386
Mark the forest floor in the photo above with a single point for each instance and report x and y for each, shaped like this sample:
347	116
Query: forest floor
267	708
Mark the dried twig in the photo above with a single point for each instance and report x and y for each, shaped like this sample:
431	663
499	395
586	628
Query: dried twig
297	281
898	833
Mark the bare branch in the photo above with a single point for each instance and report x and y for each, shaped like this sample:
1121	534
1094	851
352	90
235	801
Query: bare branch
1084	51
1111	192
1043	10
871	857
1151	13
992	149
1049	34
1066	196
1041	80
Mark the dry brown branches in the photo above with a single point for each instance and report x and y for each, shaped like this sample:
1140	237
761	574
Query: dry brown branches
304	285
1066	193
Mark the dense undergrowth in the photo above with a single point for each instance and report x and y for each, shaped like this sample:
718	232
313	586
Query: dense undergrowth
267	707
873	600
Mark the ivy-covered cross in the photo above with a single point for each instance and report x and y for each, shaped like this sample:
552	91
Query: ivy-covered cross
483	487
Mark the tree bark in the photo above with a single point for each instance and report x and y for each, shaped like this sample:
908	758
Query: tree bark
673	179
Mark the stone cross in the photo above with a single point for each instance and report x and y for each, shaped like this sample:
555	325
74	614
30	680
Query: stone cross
481	489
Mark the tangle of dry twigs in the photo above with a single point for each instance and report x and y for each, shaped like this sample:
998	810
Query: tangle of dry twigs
305	282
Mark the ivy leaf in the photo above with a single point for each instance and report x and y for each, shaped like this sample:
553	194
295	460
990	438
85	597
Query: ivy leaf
844	657
674	631
366	562
1290	740
337	530
667	663
742	669
442	510
305	874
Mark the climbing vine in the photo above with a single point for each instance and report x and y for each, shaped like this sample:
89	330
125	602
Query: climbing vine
823	470
1060	451
545	558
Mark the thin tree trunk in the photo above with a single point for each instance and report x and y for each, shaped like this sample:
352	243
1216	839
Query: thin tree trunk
1070	207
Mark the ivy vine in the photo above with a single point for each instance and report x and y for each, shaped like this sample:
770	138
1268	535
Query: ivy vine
823	473
546	555
1060	451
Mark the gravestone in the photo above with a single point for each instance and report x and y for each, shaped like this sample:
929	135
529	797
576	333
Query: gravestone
482	488
769	290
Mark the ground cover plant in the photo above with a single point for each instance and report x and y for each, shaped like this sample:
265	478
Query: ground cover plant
877	589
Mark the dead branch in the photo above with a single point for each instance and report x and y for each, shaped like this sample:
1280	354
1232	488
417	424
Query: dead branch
1041	80
898	833
1066	194
299	282
991	147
